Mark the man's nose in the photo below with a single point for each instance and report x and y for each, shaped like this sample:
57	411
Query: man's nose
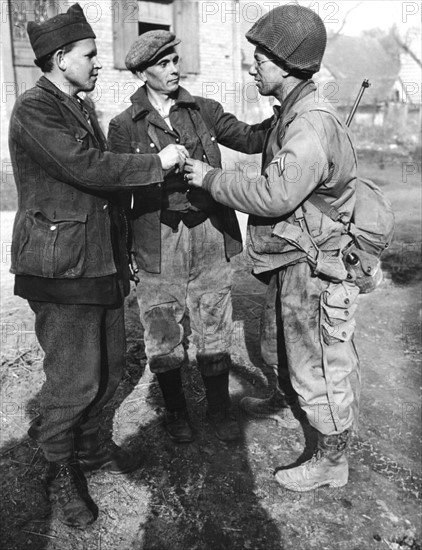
97	63
175	67
252	69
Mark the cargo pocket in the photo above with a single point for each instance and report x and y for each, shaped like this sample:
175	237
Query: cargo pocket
338	306
53	248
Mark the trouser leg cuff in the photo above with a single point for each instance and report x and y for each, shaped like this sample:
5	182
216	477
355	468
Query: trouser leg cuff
213	364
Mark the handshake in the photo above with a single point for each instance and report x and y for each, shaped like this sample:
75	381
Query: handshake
177	156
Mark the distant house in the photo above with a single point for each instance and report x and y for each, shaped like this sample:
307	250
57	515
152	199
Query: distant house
347	62
408	85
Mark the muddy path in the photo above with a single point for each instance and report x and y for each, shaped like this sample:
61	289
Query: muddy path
208	495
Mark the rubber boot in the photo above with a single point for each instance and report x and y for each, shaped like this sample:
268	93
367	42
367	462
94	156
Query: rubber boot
92	456
176	419
68	492
328	466
218	412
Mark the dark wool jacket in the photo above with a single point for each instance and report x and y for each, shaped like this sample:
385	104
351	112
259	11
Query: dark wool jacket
64	176
140	129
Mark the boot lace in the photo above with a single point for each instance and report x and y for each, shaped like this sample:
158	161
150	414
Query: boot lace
67	483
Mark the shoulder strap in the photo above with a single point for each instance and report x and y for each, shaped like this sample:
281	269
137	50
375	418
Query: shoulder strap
317	200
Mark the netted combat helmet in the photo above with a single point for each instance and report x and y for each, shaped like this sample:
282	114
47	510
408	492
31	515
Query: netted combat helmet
294	36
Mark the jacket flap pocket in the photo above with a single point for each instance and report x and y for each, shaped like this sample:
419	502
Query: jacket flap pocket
80	134
76	217
57	218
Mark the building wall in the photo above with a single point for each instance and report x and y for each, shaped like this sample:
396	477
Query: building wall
220	62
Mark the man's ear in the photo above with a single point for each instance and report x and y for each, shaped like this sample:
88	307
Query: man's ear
60	60
142	76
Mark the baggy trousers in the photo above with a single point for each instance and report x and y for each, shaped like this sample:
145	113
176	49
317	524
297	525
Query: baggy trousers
195	281
85	350
310	323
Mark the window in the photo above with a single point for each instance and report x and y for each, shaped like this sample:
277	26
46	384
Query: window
133	18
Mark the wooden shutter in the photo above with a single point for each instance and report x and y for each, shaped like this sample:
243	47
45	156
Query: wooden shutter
186	27
125	29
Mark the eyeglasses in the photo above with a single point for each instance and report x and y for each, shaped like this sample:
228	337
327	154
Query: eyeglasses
259	62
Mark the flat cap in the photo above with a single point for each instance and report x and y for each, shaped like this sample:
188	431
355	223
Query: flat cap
148	47
58	31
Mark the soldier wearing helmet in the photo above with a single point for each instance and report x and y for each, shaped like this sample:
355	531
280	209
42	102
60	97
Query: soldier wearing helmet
307	323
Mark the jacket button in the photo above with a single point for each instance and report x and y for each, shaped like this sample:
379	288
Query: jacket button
347	301
137	150
344	334
177	140
53	227
104	207
151	145
158	184
346	313
212	138
204	157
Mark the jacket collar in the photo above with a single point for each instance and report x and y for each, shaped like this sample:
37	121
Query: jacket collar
141	105
287	111
70	102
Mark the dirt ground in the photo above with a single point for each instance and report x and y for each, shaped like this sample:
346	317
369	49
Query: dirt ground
209	495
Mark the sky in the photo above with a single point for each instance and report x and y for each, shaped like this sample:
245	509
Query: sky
368	14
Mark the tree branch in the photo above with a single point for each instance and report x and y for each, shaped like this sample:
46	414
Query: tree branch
346	16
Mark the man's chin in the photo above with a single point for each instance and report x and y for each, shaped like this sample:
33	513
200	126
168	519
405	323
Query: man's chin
90	86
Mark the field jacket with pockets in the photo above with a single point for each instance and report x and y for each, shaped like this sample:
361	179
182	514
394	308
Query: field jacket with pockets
64	177
140	129
307	150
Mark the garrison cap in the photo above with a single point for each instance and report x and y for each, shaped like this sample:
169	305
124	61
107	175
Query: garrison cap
148	47
294	36
62	29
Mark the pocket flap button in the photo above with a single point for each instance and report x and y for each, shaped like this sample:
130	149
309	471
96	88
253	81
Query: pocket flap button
53	227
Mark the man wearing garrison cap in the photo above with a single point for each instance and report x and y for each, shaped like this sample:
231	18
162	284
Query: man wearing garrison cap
182	239
69	255
308	167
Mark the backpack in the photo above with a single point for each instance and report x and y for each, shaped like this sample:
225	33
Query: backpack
371	231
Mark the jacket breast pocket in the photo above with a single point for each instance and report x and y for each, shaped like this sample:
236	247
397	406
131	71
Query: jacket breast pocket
82	137
52	248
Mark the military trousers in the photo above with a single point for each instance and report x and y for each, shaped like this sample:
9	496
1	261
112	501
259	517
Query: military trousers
85	350
308	323
194	284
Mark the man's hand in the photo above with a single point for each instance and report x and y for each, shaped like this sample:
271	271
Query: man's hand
173	156
195	171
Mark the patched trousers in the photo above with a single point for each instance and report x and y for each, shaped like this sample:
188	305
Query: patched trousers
85	350
309	323
195	283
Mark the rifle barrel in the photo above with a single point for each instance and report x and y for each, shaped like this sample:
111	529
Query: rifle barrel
365	84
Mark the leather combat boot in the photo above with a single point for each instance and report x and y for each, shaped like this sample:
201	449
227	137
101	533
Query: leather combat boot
68	492
218	412
107	457
176	420
328	466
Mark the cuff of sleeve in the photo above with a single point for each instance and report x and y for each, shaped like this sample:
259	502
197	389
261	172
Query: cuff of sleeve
208	179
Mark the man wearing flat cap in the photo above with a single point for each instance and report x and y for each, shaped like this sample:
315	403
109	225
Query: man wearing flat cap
183	240
308	167
69	255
